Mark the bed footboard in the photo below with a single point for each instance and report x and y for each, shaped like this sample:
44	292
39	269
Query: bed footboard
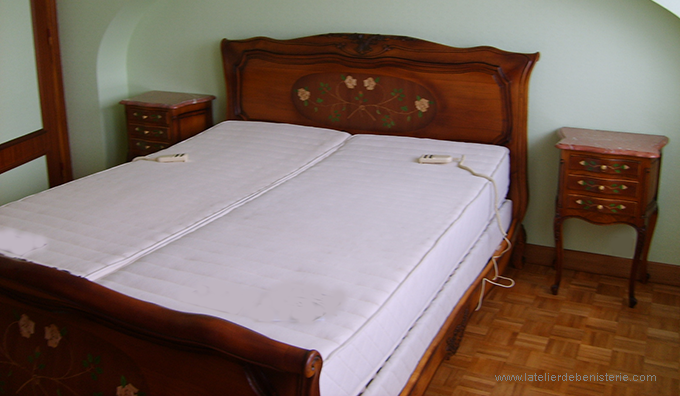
64	335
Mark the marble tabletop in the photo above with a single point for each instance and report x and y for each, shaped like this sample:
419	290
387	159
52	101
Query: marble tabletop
608	142
167	100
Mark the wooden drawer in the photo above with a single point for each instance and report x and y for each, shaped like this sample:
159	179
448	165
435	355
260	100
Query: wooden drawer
150	132
588	203
150	117
602	186
143	147
610	166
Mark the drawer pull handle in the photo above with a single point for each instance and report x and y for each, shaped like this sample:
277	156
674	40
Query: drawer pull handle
147	132
589	205
593	166
145	117
590	186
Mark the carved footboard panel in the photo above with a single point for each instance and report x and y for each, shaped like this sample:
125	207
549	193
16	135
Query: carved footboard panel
64	335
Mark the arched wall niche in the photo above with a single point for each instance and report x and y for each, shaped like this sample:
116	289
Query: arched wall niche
112	77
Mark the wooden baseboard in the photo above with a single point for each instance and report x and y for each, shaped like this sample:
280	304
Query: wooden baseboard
666	274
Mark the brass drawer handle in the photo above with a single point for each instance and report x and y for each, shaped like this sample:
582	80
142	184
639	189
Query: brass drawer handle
592	165
145	116
589	205
147	132
590	185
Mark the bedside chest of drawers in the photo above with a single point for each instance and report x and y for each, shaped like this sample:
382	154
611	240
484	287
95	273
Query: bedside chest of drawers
158	119
609	178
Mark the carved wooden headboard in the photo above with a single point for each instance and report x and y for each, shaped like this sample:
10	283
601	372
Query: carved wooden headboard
378	84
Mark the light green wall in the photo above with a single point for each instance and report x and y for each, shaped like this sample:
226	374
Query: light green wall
19	98
605	64
82	29
27	179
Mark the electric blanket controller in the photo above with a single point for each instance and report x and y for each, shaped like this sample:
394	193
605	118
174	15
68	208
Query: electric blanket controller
435	159
173	158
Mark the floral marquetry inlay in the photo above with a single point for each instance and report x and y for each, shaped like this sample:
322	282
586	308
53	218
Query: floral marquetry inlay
39	356
593	166
590	205
590	185
366	102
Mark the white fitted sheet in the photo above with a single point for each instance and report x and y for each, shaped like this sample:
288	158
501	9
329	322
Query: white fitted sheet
396	371
368	227
96	224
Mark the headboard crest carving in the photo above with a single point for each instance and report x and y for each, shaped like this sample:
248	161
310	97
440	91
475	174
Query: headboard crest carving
364	42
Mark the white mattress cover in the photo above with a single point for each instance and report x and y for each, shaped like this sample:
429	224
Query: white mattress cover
368	224
93	225
397	370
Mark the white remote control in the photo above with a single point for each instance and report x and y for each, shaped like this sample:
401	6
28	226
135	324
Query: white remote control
435	159
173	158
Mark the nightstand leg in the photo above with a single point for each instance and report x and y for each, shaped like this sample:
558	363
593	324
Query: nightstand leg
642	274
638	270
559	255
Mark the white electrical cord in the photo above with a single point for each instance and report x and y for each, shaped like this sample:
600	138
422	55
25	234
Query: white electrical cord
495	257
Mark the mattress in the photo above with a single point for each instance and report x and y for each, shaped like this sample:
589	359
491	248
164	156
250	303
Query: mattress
94	225
396	371
342	258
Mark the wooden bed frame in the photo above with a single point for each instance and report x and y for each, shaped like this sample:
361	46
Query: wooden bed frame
62	334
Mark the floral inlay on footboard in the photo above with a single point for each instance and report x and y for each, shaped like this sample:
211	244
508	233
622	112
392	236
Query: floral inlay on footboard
363	101
38	357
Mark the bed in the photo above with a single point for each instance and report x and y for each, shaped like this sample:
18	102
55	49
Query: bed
346	267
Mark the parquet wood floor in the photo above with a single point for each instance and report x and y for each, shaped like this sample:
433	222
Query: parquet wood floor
587	329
